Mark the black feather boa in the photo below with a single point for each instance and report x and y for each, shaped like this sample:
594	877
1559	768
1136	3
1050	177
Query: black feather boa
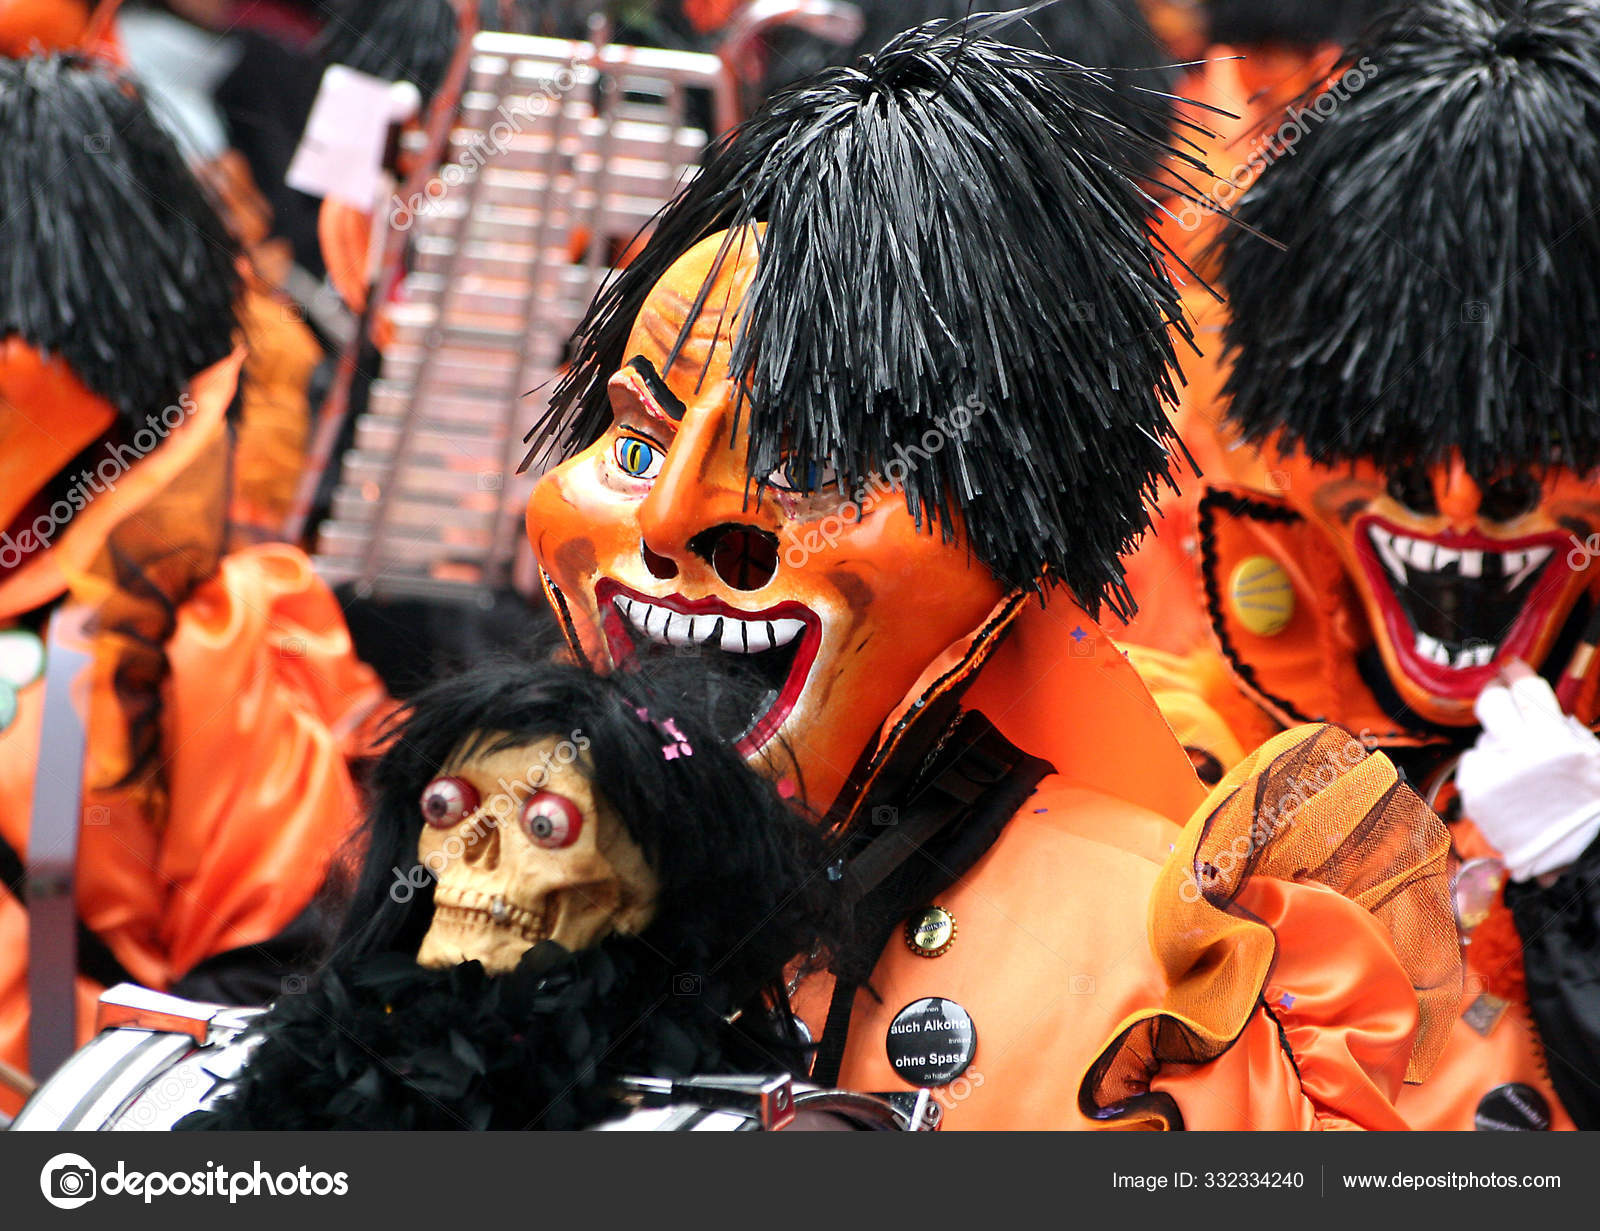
382	1043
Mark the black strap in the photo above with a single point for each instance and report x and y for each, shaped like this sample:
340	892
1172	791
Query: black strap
975	784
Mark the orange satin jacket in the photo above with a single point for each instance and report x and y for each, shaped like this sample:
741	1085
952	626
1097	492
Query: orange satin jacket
1102	992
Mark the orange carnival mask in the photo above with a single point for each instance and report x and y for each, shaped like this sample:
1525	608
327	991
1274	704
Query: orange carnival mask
1413	306
866	381
1456	575
653	537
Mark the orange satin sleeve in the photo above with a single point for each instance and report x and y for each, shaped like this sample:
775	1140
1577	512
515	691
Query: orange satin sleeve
1305	909
1348	1015
263	697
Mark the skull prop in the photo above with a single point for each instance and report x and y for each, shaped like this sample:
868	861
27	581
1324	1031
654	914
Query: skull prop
525	851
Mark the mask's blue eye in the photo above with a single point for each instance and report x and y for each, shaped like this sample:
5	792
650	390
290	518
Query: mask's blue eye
805	477
638	458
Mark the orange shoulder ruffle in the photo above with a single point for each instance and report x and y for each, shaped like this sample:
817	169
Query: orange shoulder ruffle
1304	928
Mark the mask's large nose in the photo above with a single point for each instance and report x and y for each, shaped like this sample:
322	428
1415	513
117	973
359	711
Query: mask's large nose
1456	494
696	521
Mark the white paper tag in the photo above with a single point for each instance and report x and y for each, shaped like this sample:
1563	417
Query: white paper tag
341	153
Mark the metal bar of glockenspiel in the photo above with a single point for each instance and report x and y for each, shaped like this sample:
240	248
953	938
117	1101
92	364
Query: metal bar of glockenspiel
370	566
534	308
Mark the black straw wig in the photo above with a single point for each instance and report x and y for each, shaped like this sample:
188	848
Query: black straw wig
1440	290
111	255
952	226
394	40
1290	23
1113	35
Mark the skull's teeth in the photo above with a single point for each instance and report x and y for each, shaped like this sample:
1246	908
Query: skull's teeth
473	908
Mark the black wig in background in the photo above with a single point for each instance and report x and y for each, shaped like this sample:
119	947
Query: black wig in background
950	223
377	1042
113	259
1440	289
111	255
1291	23
1113	35
395	40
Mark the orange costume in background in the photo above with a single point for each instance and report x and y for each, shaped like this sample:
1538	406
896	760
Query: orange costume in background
1409	525
175	717
227	840
1222	701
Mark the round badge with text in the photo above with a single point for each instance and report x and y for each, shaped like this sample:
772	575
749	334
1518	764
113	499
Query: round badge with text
1512	1108
931	1041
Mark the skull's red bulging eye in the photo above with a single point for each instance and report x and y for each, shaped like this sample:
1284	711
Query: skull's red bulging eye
552	820
448	801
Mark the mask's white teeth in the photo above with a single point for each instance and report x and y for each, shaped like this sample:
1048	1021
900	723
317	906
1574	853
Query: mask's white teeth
735	636
1520	565
678	630
1444	556
1385	543
1472	564
1474	656
1420	554
1432	650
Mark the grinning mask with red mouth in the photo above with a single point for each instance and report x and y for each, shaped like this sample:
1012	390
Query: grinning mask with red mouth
1414	307
652	540
1457	575
869	379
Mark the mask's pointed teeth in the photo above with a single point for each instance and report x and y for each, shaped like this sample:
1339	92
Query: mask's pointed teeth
1400	553
1385	544
1521	565
1432	650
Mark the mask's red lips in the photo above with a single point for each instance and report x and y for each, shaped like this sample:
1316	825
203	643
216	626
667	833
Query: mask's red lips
1456	605
778	644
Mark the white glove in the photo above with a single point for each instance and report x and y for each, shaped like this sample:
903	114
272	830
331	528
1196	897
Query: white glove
1531	783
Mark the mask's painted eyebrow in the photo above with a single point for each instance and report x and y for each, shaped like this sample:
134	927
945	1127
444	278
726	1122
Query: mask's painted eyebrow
658	388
